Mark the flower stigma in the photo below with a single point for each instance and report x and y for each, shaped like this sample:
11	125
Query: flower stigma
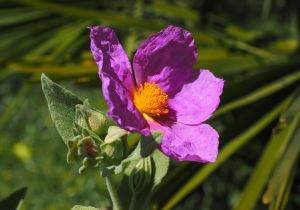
150	100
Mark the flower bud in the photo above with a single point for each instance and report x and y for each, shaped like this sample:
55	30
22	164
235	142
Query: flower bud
89	147
90	118
115	133
73	149
115	143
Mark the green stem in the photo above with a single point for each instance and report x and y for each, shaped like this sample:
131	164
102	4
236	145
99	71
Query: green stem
133	202
113	194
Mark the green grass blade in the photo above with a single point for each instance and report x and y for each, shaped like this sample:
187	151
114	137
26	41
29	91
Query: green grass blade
17	16
69	37
110	18
69	70
286	163
53	38
175	10
288	188
243	46
260	93
263	169
283	194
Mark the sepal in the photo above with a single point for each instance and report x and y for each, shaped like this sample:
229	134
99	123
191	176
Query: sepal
88	162
115	144
141	176
73	155
91	118
89	147
135	184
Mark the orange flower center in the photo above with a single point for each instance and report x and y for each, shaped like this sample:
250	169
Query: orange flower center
150	100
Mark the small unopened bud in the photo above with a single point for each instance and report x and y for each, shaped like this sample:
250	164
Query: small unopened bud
90	118
89	147
115	133
115	143
73	149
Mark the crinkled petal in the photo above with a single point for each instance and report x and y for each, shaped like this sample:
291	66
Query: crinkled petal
166	58
122	110
197	99
110	56
190	143
117	79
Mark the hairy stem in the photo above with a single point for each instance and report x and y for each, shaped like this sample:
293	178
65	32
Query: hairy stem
113	194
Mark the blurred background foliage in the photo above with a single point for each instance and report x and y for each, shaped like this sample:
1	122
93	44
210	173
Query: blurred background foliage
253	45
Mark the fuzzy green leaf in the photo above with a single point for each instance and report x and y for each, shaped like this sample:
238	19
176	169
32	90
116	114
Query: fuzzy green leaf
161	163
61	104
160	166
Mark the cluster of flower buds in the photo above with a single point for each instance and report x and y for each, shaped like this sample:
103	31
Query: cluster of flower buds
94	141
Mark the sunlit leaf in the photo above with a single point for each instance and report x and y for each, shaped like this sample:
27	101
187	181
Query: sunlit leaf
61	103
286	162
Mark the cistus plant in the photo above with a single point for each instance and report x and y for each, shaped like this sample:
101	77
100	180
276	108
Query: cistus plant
159	97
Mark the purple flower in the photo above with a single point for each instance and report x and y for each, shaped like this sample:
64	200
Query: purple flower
160	91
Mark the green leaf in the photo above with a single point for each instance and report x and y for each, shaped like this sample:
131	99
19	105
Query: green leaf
275	152
20	15
78	207
161	163
263	169
260	93
13	201
292	109
149	143
157	169
285	190
61	104
145	148
124	191
287	161
93	14
176	10
140	200
88	163
140	182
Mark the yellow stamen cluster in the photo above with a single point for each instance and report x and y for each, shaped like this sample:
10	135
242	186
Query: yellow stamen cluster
151	100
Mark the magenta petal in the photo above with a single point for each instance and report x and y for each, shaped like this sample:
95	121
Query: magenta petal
122	110
166	58
117	79
110	56
197	99
194	143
